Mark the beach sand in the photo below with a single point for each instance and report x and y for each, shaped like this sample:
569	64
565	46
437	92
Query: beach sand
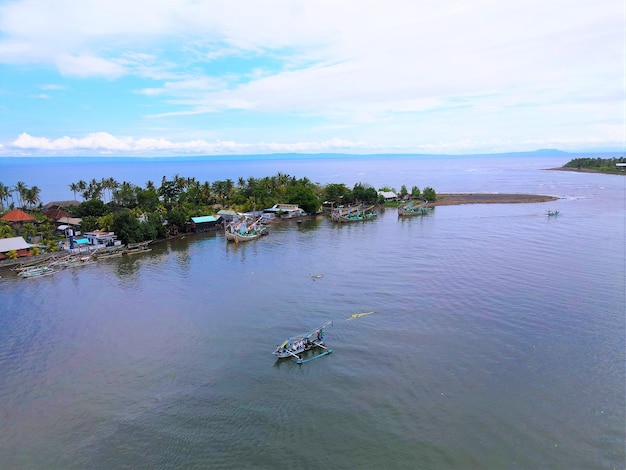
449	199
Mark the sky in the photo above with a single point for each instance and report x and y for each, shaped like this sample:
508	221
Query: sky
228	77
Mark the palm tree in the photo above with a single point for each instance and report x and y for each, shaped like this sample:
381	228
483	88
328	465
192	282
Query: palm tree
74	187
31	196
4	195
21	188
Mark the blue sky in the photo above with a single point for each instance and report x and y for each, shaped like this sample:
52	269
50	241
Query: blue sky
193	77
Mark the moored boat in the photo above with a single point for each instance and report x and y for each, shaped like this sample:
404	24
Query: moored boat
353	214
136	248
294	346
408	210
244	230
37	272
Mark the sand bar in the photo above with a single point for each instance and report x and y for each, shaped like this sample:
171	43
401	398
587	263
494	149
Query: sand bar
449	199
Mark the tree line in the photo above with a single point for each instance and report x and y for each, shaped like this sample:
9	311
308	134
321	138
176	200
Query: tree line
604	165
137	213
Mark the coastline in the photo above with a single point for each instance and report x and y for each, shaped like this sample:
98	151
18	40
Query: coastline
588	170
449	199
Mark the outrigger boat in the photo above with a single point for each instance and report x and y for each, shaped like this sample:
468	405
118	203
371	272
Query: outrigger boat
136	248
296	345
409	210
552	213
244	230
353	214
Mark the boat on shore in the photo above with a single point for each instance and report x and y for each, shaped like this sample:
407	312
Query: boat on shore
109	252
408	210
136	248
295	346
353	214
75	261
36	272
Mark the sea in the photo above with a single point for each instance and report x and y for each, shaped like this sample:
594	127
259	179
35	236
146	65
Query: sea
493	336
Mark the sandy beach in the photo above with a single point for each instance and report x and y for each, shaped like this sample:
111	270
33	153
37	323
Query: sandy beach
448	199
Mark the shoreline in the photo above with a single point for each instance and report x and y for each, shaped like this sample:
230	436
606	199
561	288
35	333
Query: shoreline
449	199
587	170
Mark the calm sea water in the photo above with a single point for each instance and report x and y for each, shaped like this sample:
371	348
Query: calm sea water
497	342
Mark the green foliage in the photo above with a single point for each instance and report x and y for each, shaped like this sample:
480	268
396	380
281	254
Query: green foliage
415	192
403	191
6	230
304	197
127	227
12	254
604	165
429	194
89	223
92	207
335	192
362	194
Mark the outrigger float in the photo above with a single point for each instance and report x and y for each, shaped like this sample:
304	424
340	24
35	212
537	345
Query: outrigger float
296	345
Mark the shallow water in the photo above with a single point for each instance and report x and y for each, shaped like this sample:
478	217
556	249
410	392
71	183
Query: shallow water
497	342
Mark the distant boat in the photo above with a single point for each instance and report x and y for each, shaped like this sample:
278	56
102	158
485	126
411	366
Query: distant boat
407	210
353	214
552	213
294	346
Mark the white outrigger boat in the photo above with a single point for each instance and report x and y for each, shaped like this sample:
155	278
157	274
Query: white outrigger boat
296	345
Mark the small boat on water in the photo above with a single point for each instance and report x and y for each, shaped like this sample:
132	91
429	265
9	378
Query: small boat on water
551	213
244	230
353	214
407	210
295	346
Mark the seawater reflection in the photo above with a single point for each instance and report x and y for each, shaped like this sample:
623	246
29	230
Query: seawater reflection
497	342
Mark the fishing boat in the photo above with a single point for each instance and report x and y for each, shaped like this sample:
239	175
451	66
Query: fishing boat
353	214
295	346
109	252
36	272
136	248
407	210
244	230
75	261
551	213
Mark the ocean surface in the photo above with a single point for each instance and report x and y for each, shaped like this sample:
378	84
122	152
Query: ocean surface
497	342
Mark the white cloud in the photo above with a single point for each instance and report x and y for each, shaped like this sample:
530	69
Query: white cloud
406	73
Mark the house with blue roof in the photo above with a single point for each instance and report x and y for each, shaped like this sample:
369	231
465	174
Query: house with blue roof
205	223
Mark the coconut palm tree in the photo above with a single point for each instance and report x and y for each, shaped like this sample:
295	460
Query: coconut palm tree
31	196
4	195
20	188
74	187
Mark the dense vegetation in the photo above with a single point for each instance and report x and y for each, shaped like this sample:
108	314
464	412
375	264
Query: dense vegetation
138	213
601	165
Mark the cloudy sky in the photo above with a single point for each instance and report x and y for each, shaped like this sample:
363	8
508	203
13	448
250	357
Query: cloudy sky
194	77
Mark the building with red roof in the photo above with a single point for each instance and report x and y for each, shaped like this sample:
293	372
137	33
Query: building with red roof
17	216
